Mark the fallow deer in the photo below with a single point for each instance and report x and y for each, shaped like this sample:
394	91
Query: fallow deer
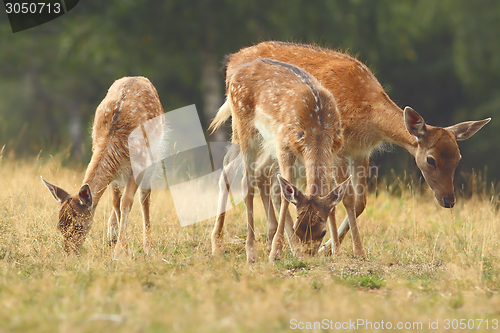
368	117
282	110
129	103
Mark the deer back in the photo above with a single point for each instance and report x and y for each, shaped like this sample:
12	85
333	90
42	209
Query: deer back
285	105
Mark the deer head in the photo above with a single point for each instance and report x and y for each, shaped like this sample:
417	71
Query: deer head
75	215
312	213
437	153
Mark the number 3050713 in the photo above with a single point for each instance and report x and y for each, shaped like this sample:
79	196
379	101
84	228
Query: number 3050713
470	324
32	8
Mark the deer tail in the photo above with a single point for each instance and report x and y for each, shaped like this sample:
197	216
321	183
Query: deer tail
221	117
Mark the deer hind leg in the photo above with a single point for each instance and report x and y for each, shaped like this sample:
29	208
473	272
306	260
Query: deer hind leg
218	231
231	164
121	248
250	157
116	193
145	199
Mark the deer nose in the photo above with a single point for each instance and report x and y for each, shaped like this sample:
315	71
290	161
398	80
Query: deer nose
447	204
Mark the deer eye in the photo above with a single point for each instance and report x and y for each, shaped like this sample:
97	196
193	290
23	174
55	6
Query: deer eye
431	162
323	233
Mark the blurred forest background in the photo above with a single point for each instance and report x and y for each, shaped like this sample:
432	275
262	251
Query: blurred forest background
440	57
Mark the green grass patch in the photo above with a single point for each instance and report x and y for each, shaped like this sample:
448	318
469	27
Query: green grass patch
369	280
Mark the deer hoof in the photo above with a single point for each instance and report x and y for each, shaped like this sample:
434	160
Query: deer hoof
217	249
120	252
251	255
274	256
360	253
111	242
148	249
112	239
326	248
335	252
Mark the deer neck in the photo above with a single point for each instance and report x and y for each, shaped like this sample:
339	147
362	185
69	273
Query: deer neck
389	123
318	175
98	175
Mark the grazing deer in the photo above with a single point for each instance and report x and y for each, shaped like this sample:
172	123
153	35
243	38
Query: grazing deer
130	102
368	117
281	109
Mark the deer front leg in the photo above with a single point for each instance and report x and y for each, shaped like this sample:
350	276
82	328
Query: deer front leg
286	164
351	215
121	248
349	202
114	218
333	232
359	169
270	194
356	193
341	173
144	197
265	169
272	224
293	240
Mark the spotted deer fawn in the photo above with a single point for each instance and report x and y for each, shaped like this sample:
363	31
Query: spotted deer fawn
368	118
283	110
129	103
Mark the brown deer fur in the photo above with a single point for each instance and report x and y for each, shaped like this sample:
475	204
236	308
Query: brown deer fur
283	110
368	117
130	102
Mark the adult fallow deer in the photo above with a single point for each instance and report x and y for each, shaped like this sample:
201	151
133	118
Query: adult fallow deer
281	109
368	117
129	103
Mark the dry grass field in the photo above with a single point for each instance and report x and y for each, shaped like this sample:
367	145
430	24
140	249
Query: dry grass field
426	266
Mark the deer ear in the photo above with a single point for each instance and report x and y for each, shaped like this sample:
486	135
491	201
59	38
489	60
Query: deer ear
337	194
59	194
465	130
85	196
291	193
414	123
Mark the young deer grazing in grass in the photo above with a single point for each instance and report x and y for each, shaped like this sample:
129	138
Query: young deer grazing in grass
369	117
130	102
281	109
